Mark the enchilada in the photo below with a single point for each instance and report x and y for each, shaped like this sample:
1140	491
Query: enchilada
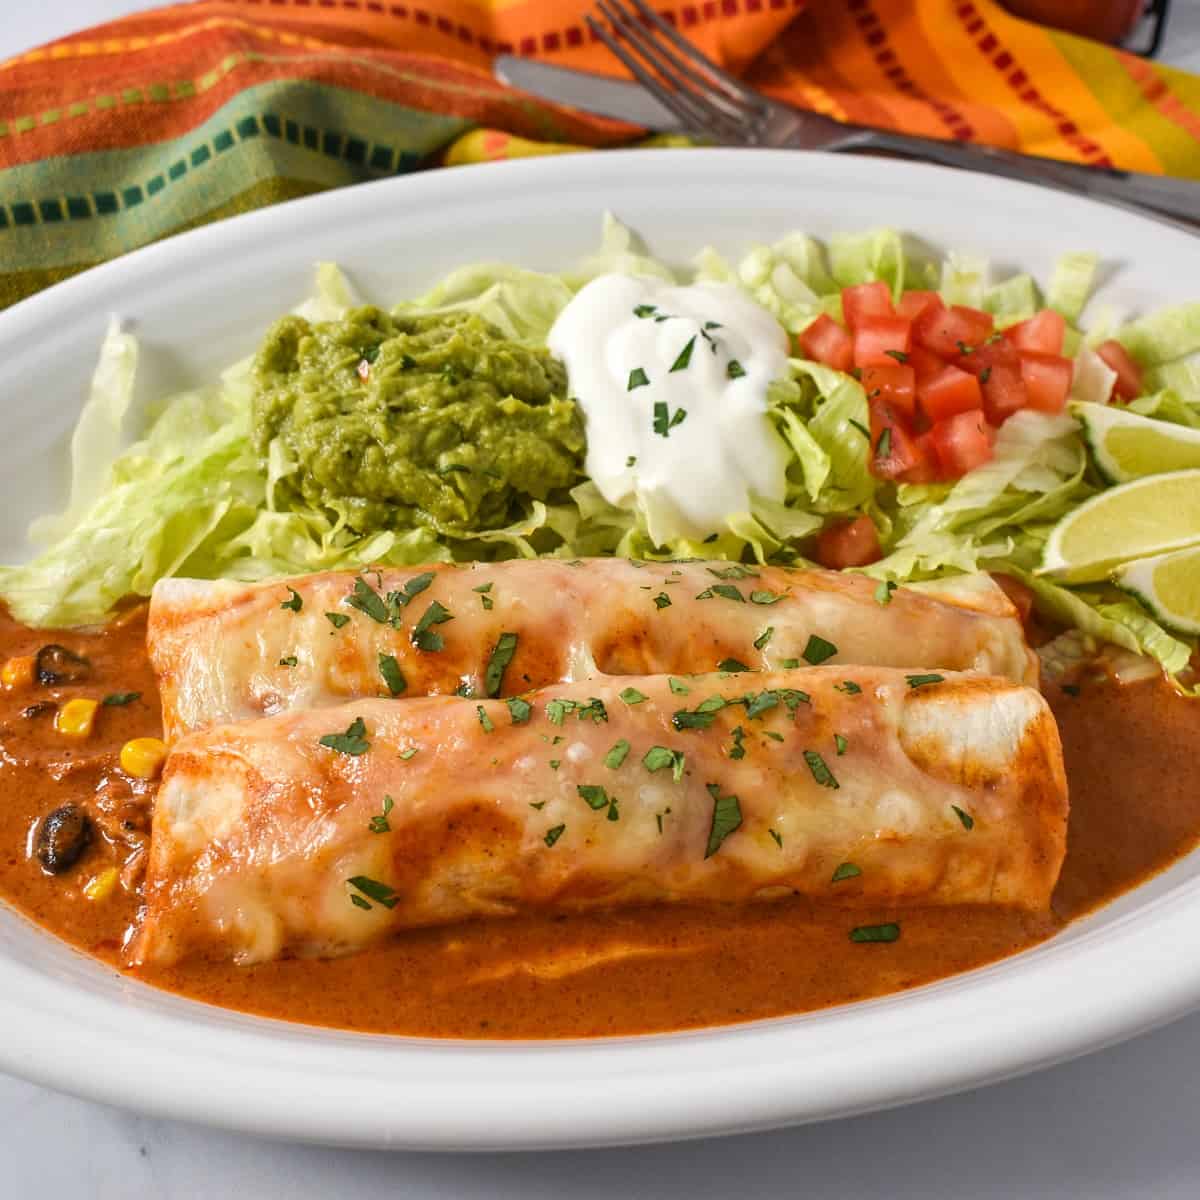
226	651
319	832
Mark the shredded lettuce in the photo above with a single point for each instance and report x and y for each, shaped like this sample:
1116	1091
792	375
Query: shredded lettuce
190	496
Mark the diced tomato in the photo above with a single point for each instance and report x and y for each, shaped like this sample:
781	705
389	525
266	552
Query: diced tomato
849	544
879	341
927	468
894	450
1019	592
894	384
914	304
993	352
925	363
1129	374
1047	379
949	392
963	442
946	331
865	301
1043	333
825	341
1003	392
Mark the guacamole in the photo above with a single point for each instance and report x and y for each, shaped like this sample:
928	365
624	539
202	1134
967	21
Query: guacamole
431	419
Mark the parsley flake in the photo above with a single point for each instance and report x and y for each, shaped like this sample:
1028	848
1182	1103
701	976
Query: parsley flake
820	772
484	719
637	378
685	356
352	742
916	681
678	686
411	752
846	870
883	447
732	666
726	819
840	742
662	600
374	890
645	310
765	597
818	650
738	750
632	696
875	933
293	602
968	821
594	796
734	369
701	717
389	668
552	835
367	600
776	837
898	355
379	823
848	686
120	699
337	620
660	423
519	710
502	655
617	755
763	638
289	660
425	638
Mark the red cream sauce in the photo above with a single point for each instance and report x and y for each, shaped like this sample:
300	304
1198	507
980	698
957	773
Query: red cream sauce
1131	754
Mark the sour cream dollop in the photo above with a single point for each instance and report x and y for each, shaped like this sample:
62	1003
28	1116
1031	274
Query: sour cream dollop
673	384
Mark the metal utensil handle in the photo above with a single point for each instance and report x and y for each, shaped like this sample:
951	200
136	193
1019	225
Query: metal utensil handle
1179	197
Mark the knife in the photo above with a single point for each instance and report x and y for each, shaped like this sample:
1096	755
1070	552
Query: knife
630	102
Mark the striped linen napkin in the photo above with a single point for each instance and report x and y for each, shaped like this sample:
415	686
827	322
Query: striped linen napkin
158	122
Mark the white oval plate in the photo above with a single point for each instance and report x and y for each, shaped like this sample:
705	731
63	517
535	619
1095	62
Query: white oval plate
203	299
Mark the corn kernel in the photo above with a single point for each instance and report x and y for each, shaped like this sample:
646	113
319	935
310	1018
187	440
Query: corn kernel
101	886
143	757
17	672
76	718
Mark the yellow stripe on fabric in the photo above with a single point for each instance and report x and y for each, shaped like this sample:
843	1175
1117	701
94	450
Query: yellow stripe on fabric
1037	55
1177	152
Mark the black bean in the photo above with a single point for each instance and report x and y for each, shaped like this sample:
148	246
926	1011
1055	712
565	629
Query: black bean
56	664
62	838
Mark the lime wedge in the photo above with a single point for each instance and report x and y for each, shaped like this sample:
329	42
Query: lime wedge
1168	585
1127	446
1147	516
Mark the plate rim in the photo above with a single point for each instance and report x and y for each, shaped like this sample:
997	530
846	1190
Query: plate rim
647	1088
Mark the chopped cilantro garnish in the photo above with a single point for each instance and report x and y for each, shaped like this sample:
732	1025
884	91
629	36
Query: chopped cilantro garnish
632	696
732	665
658	758
765	597
425	638
483	587
617	755
818	650
916	681
737	750
645	310
883	447
701	717
120	699
389	668
737	571
289	660
875	933
374	890
379	824
820	772
776	837
848	686
293	602
763	638
631	461
790	664
726	818
662	600
968	821
637	378
684	357
556	710
593	711
678	686
519	710
840	742
337	620
594	795
502	655
484	719
552	835
555	763
846	870
353	741
367	600
775	737
411	752
734	369
660	423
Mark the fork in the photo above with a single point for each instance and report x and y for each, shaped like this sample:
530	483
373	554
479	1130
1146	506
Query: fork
710	101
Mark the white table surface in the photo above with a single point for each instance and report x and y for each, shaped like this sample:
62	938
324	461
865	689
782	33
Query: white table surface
1121	1123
